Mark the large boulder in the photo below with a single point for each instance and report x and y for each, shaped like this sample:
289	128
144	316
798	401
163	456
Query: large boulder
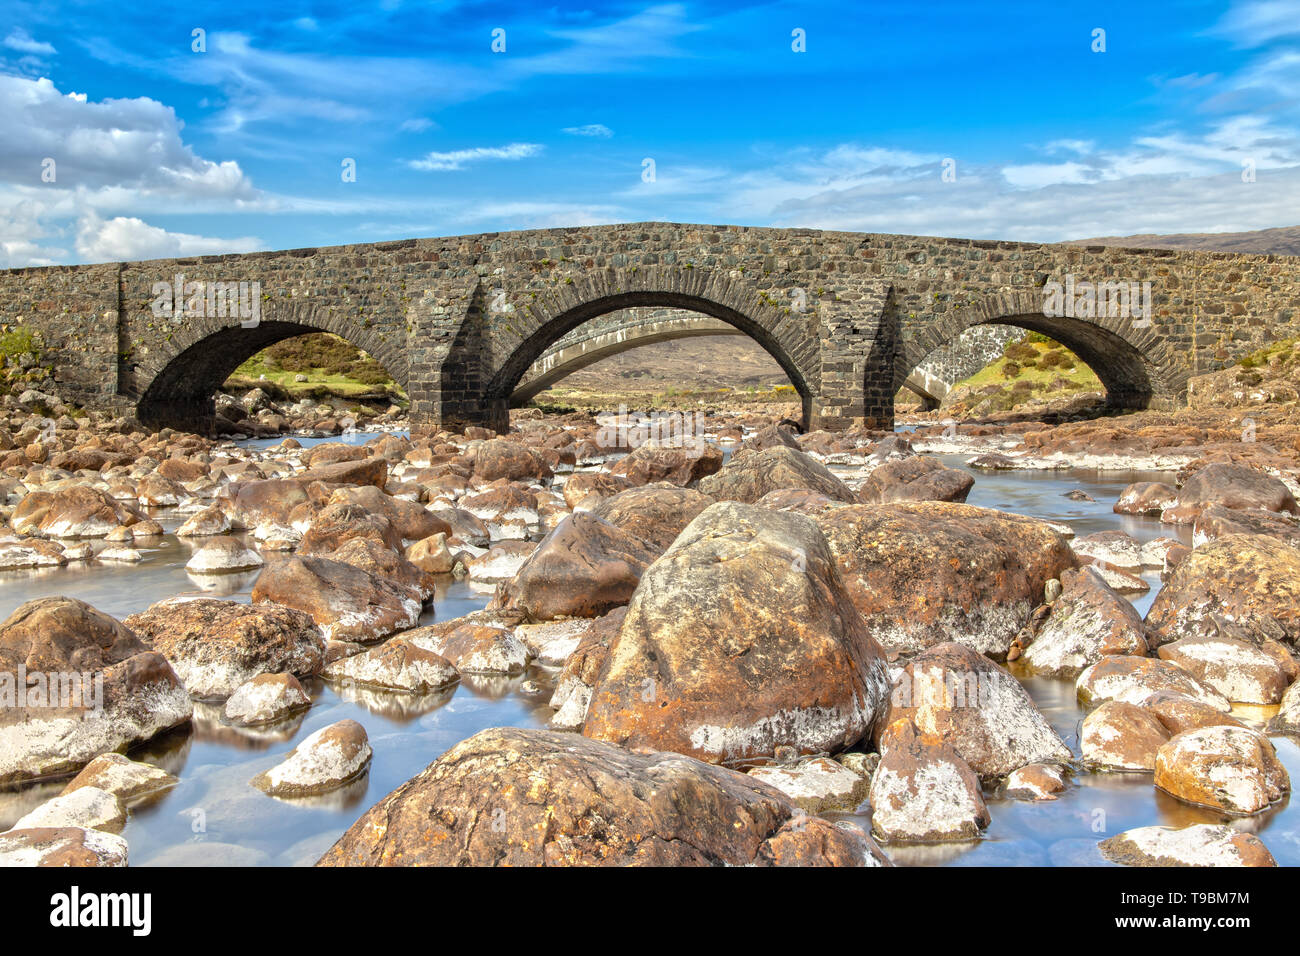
677	466
740	639
1246	585
397	664
503	458
654	513
337	524
923	792
324	761
215	646
411	519
1201	844
1139	680
1232	769
918	478
346	602
1240	670
750	475
925	572
77	511
1230	486
1088	620
510	797
977	708
112	692
583	568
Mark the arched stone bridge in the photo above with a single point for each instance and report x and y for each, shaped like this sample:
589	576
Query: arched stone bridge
617	332
458	321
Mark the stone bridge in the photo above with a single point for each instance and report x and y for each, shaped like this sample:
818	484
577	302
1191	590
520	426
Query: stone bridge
458	321
631	328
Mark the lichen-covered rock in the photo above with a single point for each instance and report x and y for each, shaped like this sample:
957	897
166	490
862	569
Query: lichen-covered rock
750	475
740	639
346	602
62	846
76	511
1201	844
917	478
215	646
1135	680
1229	485
678	466
210	521
1239	670
397	664
222	553
923	792
976	707
1087	621
473	647
127	693
1145	498
818	785
126	779
1228	768
265	699
925	572
1119	736
88	807
1247	583
1036	781
655	514
583	568
326	760
512	797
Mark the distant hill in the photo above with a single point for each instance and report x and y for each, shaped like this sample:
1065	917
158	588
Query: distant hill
1283	241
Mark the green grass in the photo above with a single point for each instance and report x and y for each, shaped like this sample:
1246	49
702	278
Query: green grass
328	362
1269	352
1024	369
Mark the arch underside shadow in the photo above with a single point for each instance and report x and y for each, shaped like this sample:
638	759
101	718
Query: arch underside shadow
504	385
1133	367
182	394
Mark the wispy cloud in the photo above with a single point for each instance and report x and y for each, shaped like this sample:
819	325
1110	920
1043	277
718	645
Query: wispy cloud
594	130
459	158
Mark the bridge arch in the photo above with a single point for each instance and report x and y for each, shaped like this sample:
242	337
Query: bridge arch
790	337
175	387
1133	362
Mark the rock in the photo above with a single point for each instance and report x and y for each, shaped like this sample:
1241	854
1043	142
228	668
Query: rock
512	797
1201	844
432	555
1248	583
1135	680
87	807
474	648
1287	718
1119	736
1087	622
501	562
583	568
1036	781
507	511
926	572
1180	713
1230	486
128	780
335	525
771	436
918	478
124	555
1113	548
384	564
1145	498
210	521
1239	670
61	846
221	554
17	553
1218	522
740	639
324	761
127	693
923	792
977	708
678	466
397	664
817	786
266	699
346	602
551	642
78	511
215	646
1232	769
410	519
573	687
584	484
655	514
502	458
750	475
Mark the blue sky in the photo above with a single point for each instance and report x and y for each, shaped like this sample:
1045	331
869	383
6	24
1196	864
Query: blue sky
159	150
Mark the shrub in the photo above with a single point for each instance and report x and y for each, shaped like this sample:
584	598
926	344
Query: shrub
1010	369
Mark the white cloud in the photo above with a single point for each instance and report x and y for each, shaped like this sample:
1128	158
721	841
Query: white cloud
128	238
1257	23
417	125
595	130
20	40
456	159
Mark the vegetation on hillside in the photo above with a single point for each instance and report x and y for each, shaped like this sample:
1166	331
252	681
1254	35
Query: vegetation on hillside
1032	368
309	365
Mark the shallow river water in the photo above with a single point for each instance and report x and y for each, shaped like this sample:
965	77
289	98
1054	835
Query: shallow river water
214	817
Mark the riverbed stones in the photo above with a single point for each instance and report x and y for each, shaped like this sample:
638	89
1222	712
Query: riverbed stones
1145	498
1232	769
336	524
410	519
141	694
596	485
1087	621
1120	736
129	780
346	602
818	785
210	521
682	466
499	563
62	847
1200	844
265	699
918	478
923	792
740	639
975	706
1035	781
1230	486
750	475
17	553
926	572
503	458
473	647
215	646
1135	680
514	797
322	762
88	807
76	511
655	514
583	568
432	555
397	664
1239	670
221	554
1249	584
